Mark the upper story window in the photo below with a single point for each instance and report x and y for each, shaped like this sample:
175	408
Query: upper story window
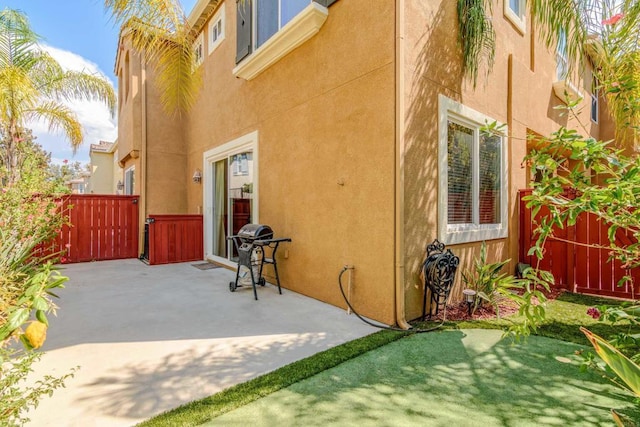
562	62
515	11
267	30
198	49
472	202
271	15
595	92
216	29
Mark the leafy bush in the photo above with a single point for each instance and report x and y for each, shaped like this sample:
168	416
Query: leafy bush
28	220
15	397
493	287
620	354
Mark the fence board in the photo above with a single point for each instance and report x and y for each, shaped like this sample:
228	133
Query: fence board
575	266
175	238
94	222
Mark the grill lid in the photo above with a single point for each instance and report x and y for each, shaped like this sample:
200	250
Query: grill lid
255	232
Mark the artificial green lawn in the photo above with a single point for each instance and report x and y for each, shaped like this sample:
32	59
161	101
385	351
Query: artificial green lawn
448	378
438	378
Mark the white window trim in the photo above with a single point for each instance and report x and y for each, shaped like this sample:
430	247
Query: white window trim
563	87
199	41
465	233
520	22
595	96
219	16
301	28
247	142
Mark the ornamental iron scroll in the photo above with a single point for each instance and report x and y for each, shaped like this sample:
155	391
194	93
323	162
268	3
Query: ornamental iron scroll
439	269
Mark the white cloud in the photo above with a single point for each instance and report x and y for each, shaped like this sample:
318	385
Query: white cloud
95	117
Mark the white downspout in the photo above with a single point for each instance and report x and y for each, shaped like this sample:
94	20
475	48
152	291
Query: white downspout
399	168
143	157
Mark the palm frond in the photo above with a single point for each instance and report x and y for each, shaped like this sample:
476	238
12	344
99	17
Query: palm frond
16	91
569	18
59	118
17	40
476	37
160	33
33	84
80	85
177	77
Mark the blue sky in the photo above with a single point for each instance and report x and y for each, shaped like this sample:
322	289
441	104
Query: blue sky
80	35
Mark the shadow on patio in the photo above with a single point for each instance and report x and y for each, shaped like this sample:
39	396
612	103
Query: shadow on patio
149	339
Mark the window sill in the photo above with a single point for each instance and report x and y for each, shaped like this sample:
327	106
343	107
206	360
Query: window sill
566	91
518	22
453	236
301	28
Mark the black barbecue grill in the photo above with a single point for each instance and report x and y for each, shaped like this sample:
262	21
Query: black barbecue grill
252	243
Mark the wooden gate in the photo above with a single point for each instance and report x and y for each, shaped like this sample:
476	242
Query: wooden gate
174	238
574	265
101	227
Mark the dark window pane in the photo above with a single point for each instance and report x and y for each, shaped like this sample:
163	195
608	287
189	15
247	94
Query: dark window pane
490	160
459	166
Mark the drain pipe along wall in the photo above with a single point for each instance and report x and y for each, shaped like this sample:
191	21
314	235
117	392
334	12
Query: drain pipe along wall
399	168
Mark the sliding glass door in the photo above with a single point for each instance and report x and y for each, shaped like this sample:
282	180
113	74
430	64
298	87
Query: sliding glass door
232	200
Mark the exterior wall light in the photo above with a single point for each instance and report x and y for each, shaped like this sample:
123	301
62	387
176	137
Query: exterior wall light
120	186
197	176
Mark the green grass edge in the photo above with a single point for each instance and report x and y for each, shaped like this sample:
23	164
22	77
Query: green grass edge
564	316
201	411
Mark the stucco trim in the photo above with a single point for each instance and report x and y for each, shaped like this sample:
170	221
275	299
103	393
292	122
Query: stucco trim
300	29
248	142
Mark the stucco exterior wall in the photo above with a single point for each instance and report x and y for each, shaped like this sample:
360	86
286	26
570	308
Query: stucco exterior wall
517	92
101	180
129	72
325	120
165	155
149	139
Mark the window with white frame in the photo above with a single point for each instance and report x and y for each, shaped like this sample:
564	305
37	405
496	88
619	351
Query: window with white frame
129	180
216	29
473	198
562	61
595	92
267	30
198	49
273	15
515	11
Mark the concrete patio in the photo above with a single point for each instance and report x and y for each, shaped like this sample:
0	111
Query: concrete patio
148	339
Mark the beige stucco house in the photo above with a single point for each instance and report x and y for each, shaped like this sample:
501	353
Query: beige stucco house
350	128
106	173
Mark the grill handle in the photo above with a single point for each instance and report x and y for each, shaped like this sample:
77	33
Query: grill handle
265	242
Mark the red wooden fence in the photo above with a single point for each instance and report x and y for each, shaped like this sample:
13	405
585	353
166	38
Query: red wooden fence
175	238
575	266
101	227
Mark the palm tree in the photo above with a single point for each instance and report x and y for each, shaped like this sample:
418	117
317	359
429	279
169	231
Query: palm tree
160	32
607	33
33	86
